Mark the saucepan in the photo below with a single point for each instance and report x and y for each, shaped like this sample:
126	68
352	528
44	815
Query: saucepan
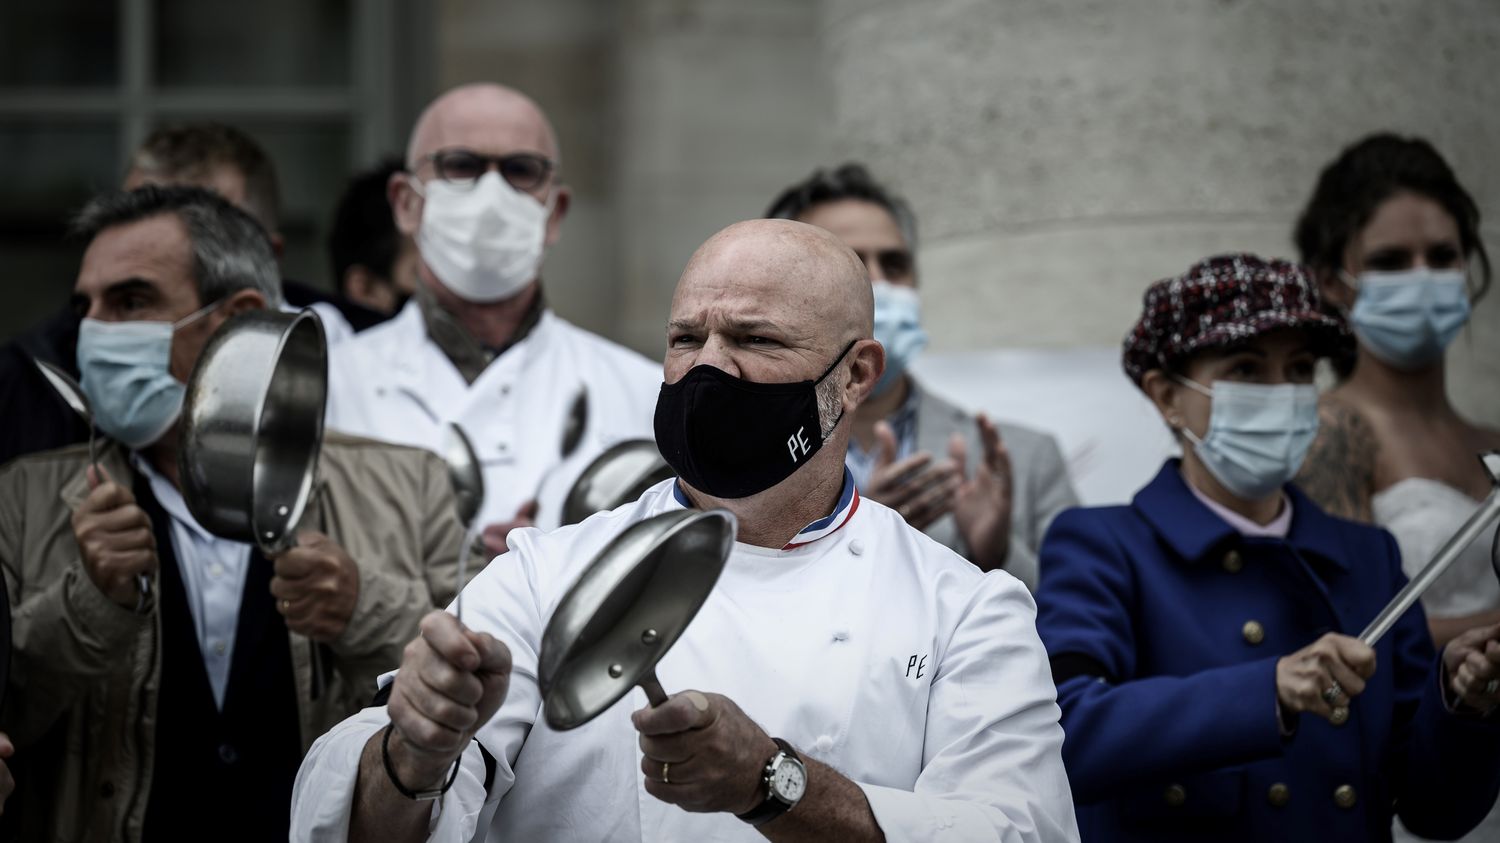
252	426
616	477
627	609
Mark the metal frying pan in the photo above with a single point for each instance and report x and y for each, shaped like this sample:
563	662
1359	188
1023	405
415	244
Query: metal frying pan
1480	521
627	609
252	426
618	476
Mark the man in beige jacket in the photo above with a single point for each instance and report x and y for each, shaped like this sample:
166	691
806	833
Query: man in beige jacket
182	710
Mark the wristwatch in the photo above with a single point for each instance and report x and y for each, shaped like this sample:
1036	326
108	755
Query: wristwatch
785	778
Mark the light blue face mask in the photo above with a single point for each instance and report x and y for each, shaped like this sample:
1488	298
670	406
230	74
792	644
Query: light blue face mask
898	327
126	369
1257	435
1409	318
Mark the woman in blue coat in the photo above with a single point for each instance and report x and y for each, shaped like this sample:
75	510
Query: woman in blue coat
1202	637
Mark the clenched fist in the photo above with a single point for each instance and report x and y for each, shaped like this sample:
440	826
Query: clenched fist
452	681
316	586
115	537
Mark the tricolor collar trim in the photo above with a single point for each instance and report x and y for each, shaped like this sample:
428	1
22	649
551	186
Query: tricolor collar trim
828	525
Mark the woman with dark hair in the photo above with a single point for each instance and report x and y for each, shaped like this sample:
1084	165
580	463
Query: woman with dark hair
1393	240
1201	637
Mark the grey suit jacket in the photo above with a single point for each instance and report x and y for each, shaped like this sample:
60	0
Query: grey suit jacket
1040	487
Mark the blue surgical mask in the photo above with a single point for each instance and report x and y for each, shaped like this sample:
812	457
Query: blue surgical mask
1257	434
126	369
898	328
1408	318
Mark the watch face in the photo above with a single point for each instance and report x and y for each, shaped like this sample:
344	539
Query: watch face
789	781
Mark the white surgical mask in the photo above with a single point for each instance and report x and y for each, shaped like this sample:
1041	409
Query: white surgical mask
1257	435
126	374
484	242
1408	318
898	328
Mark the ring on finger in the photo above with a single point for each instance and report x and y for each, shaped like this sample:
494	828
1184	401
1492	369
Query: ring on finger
1491	687
1332	693
666	772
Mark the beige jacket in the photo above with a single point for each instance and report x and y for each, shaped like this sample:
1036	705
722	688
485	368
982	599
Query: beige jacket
85	672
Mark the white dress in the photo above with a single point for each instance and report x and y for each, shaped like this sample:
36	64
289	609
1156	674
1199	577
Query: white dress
1423	514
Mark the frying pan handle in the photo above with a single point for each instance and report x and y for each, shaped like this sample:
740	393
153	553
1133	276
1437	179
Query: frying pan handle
652	686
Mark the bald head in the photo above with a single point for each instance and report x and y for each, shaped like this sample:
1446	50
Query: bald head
784	262
484	117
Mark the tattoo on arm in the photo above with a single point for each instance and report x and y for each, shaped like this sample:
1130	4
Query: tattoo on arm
1339	472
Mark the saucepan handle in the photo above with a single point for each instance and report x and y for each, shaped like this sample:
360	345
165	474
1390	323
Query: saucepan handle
652	686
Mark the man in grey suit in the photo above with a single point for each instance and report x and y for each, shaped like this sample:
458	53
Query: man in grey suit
995	487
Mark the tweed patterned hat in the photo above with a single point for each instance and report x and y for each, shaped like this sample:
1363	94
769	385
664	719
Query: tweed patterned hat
1225	300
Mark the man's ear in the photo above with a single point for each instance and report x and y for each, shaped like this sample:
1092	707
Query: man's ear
278	245
1164	392
364	287
560	204
406	203
866	363
242	300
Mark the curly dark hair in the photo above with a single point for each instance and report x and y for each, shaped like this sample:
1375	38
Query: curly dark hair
1365	175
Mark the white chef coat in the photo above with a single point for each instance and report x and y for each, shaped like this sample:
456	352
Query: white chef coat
392	382
213	576
872	649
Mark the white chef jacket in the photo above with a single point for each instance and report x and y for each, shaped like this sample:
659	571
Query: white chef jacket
392	382
872	649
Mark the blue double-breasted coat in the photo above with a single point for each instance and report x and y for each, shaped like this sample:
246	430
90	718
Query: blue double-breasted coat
1164	625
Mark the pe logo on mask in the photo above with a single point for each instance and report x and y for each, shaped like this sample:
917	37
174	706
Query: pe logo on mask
797	444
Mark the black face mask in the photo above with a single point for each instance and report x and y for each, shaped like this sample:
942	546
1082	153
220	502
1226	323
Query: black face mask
731	438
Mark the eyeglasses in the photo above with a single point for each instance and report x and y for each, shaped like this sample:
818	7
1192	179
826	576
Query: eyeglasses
463	167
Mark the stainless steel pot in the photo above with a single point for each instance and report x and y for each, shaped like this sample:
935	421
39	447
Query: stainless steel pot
627	609
615	477
252	426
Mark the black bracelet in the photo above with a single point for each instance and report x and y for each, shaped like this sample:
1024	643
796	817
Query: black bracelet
390	772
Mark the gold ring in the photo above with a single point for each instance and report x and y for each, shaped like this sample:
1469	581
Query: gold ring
286	605
666	767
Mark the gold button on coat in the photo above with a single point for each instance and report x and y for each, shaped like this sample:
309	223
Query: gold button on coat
1254	633
1279	795
1233	562
1175	795
1344	796
1339	716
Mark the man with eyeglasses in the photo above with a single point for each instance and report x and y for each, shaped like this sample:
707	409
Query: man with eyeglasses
985	489
483	198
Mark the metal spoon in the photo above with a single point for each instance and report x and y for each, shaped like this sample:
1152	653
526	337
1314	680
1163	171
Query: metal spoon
467	477
72	395
572	435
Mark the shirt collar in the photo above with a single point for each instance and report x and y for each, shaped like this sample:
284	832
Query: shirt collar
821	528
170	498
1276	529
1192	530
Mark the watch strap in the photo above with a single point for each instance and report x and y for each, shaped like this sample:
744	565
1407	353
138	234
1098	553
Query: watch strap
773	806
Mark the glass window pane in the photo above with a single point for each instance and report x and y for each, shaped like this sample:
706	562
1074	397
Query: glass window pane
267	43
56	168
59	42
